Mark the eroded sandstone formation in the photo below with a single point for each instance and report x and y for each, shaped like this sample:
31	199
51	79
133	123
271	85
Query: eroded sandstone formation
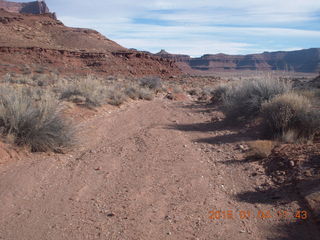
35	7
29	42
307	60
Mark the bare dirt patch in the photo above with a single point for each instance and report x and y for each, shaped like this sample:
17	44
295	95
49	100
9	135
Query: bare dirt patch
148	170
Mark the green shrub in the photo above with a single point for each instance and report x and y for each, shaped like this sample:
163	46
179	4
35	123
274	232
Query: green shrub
32	122
244	99
291	116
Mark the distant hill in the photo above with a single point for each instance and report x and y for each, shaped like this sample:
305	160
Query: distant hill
307	60
38	40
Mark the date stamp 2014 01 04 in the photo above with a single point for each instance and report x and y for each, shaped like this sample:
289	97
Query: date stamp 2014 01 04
260	214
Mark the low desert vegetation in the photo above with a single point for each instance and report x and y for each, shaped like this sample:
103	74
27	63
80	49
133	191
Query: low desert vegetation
219	92
153	83
33	118
135	91
89	91
93	92
31	110
288	114
115	95
290	117
206	93
244	99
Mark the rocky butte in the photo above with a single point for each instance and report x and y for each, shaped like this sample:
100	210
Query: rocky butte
35	7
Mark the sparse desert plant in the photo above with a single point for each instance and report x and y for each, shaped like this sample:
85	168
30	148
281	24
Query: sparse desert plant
146	94
115	95
290	117
219	92
153	83
194	92
208	90
92	91
260	148
133	92
205	93
312	94
36	123
244	99
137	92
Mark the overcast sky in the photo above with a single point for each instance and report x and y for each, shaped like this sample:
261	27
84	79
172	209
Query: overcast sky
196	27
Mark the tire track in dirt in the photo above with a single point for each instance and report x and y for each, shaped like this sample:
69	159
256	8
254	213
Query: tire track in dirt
150	170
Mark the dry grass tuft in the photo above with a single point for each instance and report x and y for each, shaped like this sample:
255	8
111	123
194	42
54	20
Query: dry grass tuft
135	92
31	118
153	83
260	148
88	91
291	117
243	100
115	95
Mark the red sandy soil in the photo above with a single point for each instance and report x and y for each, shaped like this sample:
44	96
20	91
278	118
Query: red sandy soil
147	170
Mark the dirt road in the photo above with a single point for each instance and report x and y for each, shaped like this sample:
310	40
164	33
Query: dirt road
150	170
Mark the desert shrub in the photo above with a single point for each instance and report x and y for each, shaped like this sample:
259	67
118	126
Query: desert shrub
92	91
115	95
133	92
194	92
153	83
291	116
312	94
219	92
244	99
137	92
37	124
207	90
146	94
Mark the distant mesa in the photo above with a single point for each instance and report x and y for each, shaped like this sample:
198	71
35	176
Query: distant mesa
306	60
35	7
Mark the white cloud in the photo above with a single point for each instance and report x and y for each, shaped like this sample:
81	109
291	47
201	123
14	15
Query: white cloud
198	26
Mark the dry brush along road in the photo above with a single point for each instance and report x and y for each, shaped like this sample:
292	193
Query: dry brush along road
149	170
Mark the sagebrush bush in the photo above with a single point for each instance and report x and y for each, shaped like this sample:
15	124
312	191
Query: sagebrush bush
153	83
219	92
92	91
244	98
115	95
146	94
137	92
33	122
132	92
291	116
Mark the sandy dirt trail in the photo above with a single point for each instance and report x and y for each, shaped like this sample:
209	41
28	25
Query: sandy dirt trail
150	170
